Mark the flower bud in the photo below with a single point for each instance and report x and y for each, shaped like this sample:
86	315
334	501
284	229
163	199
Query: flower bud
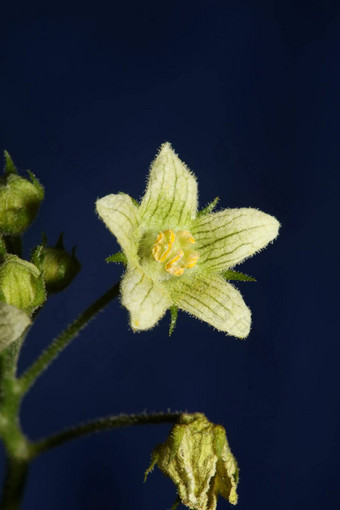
19	199
197	457
58	267
21	284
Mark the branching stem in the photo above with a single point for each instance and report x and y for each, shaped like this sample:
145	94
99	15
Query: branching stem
64	339
100	424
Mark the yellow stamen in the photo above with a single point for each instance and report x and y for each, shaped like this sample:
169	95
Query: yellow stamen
192	260
155	251
173	248
160	237
165	253
177	271
185	234
171	262
172	235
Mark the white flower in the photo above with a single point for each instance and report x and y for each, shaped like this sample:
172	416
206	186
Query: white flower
176	256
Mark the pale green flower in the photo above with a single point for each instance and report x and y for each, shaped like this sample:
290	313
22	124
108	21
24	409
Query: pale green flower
176	256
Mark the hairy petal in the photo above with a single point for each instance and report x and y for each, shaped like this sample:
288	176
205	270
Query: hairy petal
170	200
145	299
214	301
121	217
226	238
13	323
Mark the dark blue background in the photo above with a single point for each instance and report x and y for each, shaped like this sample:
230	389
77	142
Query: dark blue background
247	92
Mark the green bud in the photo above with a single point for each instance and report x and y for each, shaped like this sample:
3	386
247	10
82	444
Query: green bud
19	199
58	266
197	458
21	284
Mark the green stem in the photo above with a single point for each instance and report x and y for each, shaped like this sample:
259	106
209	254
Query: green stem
15	442
54	349
14	485
99	424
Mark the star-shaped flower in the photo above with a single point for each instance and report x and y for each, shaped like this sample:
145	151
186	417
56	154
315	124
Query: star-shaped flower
175	256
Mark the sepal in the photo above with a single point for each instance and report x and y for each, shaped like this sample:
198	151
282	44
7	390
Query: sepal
9	167
228	274
209	208
117	258
173	318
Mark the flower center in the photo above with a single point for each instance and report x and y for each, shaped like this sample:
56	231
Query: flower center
175	250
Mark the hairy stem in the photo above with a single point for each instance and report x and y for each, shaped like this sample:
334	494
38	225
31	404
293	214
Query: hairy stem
54	349
99	424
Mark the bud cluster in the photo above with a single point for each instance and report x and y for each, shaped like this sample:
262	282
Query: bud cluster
24	284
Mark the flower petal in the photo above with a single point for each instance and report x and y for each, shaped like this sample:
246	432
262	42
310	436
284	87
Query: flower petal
226	238
121	217
170	200
13	323
214	301
145	299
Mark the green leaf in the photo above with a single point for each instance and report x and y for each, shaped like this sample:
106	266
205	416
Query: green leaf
235	275
118	258
210	207
173	320
10	167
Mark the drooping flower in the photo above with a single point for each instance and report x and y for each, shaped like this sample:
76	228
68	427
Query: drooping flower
197	458
176	257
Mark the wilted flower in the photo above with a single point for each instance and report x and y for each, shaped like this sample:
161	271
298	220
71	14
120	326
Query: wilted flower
176	256
197	458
